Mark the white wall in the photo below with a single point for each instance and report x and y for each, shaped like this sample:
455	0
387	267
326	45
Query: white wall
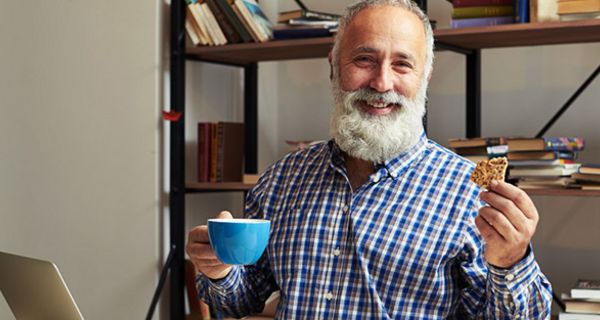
79	130
522	88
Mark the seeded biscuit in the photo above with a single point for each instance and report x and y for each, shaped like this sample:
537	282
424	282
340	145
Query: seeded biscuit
489	170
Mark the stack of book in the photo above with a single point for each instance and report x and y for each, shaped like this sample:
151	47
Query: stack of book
477	149
220	152
219	22
545	162
305	23
478	13
588	177
583	303
569	10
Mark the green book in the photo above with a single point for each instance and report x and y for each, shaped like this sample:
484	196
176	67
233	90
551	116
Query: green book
478	12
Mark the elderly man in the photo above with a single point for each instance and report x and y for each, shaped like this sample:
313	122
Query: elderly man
380	222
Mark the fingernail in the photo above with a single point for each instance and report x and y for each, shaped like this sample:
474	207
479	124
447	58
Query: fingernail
494	183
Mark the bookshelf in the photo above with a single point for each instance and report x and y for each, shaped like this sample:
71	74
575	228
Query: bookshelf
468	41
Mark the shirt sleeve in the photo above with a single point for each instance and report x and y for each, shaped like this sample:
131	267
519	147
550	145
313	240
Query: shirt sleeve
521	292
246	288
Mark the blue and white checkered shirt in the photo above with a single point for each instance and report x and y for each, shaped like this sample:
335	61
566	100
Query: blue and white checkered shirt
403	245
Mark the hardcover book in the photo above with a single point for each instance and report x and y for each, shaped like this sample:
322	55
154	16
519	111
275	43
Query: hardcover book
481	22
306	14
541	155
486	11
586	289
230	152
546	143
476	142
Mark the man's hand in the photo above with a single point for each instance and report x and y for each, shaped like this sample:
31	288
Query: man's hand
507	224
201	253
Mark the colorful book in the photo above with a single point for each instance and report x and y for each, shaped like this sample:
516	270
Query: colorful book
481	22
541	155
480	3
546	143
478	12
259	19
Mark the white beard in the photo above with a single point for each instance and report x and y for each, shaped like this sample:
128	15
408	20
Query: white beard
376	138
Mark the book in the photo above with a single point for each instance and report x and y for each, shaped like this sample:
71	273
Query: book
305	22
230	152
550	171
546	143
521	11
586	289
306	14
198	23
481	22
226	27
480	3
573	305
586	177
301	32
588	168
490	151
544	182
254	13
486	11
590	186
213	153
247	22
196	11
213	28
476	142
578	6
532	163
204	143
543	11
541	155
577	316
579	16
190	28
233	19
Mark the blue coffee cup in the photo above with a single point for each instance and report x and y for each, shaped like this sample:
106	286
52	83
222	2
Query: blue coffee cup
238	241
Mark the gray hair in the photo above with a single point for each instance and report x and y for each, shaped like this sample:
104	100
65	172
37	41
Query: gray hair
353	9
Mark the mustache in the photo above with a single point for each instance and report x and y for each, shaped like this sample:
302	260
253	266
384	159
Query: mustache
373	96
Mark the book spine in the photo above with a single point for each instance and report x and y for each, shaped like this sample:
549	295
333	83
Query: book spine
213	152
229	31
315	15
521	11
481	3
479	12
233	19
564	144
480	22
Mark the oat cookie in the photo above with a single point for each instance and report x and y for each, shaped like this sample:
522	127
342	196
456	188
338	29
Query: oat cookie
489	170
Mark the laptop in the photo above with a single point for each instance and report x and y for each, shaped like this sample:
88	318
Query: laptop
34	289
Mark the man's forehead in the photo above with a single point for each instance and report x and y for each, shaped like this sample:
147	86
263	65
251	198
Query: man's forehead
385	20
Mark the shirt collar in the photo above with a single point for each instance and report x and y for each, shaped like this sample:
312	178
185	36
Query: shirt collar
393	167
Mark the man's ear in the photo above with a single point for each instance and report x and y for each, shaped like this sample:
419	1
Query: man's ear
330	59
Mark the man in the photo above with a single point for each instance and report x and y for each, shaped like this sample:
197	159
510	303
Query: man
380	222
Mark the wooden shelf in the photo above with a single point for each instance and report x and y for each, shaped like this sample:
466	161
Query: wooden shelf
521	34
509	35
196	187
563	192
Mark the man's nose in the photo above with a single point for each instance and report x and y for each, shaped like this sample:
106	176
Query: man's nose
382	80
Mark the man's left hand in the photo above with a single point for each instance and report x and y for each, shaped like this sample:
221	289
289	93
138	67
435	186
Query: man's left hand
507	224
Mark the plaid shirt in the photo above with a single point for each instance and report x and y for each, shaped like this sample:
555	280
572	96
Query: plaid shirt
403	245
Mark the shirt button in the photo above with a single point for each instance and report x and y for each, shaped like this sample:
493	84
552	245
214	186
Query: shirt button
336	252
345	209
509	276
329	295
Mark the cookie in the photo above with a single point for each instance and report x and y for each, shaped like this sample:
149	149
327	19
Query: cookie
489	170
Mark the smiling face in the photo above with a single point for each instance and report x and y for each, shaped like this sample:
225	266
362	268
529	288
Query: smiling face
379	83
383	48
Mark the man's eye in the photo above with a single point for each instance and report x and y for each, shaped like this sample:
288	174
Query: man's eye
363	60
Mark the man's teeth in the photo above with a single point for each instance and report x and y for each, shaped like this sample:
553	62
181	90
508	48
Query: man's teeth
379	105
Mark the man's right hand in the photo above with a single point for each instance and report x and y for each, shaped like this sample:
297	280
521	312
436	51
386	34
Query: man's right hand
202	255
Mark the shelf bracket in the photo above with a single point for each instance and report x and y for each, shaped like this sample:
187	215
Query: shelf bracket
569	102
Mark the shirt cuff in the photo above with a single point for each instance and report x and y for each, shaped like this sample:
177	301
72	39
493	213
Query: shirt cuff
227	284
